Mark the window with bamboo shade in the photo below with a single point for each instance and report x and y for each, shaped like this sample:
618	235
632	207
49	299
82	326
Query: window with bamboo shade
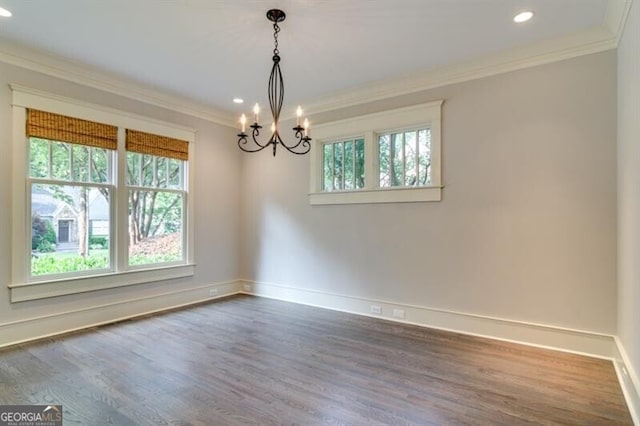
105	197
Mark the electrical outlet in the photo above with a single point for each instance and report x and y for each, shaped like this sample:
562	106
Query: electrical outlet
247	287
376	309
213	292
398	313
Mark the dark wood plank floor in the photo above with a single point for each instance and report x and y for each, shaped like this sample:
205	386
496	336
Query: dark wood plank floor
249	360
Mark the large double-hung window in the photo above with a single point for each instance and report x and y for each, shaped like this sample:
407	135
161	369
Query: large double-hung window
392	156
100	200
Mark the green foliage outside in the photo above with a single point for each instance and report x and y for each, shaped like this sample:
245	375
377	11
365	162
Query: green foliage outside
150	259
98	242
43	236
343	165
57	264
405	158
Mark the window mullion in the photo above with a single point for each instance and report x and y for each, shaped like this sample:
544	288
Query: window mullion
404	159
353	164
119	208
333	166
417	157
371	161
342	177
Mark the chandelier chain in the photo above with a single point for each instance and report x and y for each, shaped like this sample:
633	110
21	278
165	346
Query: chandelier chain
276	30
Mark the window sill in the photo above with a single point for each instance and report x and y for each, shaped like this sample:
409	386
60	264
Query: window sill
54	288
382	195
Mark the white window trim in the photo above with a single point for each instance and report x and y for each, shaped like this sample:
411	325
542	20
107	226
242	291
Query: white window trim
21	288
368	127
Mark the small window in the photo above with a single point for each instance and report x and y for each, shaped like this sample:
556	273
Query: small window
392	156
405	158
343	165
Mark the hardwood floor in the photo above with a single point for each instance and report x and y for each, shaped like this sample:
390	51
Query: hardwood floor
247	360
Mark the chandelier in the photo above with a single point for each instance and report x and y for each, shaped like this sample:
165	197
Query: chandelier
301	144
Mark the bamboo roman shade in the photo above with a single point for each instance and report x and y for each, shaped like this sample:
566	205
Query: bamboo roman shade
162	146
47	125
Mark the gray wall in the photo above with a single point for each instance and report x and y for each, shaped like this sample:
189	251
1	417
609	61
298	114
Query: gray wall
526	229
629	189
216	166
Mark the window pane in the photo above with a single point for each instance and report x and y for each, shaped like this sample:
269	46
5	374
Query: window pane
147	172
80	163
62	239
405	158
161	171
385	161
99	165
411	173
337	166
359	166
175	173
133	168
397	163
424	147
156	223
348	165
61	164
38	158
327	160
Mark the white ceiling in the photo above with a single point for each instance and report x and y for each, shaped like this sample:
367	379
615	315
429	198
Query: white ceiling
210	51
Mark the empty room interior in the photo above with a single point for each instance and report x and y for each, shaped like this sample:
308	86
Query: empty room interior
320	212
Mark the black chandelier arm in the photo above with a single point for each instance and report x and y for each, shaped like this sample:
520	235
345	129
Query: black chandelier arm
303	142
242	139
304	145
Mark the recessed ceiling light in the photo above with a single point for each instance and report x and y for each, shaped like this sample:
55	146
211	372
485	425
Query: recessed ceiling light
4	12
238	100
523	16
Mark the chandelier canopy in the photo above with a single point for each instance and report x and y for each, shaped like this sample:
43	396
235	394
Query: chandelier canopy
301	143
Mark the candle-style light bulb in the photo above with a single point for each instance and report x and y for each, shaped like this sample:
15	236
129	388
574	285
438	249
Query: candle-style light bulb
243	121
256	112
298	115
306	127
273	127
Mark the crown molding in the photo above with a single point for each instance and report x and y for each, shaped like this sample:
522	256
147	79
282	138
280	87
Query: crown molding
38	61
616	17
584	43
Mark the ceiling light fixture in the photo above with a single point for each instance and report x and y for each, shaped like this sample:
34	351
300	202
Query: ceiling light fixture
523	16
5	13
276	96
238	100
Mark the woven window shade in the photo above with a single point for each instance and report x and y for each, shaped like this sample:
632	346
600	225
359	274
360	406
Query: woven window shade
47	125
162	146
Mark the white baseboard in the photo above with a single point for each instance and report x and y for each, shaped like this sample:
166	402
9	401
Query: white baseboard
544	336
629	381
15	332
